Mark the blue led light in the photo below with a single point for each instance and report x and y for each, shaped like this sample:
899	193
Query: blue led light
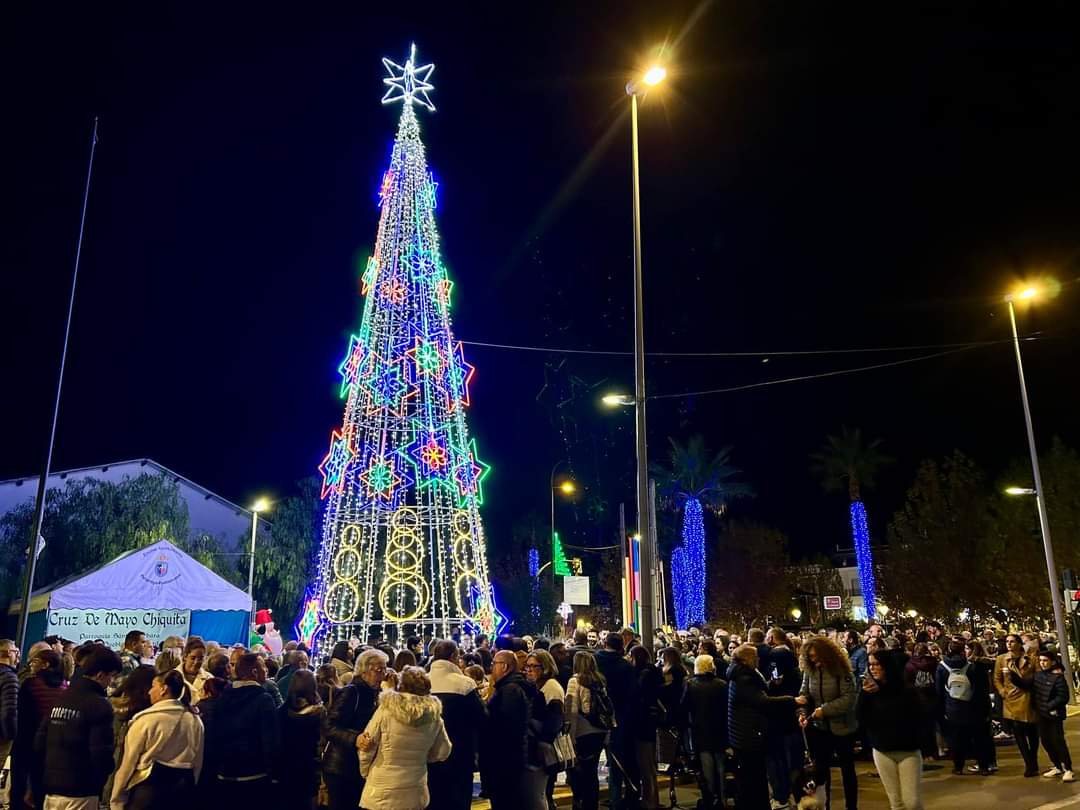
534	583
863	557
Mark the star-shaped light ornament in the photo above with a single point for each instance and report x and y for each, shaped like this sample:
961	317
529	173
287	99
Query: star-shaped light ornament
410	83
334	464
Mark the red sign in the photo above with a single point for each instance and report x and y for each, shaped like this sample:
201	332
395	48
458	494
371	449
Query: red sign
832	602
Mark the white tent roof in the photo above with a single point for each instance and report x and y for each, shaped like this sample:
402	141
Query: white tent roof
155	577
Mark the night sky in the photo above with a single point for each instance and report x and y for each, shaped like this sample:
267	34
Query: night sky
815	176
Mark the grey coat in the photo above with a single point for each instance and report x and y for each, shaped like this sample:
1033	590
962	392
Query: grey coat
836	697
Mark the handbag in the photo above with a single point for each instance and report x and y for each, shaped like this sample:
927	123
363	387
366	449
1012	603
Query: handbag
559	754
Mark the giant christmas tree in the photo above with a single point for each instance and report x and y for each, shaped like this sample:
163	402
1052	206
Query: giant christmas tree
402	546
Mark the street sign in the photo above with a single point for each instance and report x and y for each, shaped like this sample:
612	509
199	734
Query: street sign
832	602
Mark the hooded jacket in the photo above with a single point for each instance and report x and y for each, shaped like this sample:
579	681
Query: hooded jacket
298	755
963	712
77	739
195	685
407	732
242	733
168	733
464	715
1050	694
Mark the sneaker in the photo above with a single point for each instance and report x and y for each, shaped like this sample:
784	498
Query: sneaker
993	768
1068	777
1030	772
1050	774
973	768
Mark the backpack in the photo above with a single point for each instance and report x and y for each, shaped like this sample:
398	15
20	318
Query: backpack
958	686
601	711
924	679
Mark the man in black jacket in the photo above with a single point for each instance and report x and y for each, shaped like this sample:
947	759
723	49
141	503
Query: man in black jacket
504	746
77	738
346	719
463	712
242	738
622	689
9	695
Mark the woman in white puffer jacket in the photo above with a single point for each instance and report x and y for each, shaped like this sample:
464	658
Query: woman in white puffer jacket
403	736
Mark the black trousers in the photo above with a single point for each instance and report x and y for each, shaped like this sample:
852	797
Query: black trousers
165	789
344	791
584	780
971	741
1027	741
823	745
450	784
1052	734
752	781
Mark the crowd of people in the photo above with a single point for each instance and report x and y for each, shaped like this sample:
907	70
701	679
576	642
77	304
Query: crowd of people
760	721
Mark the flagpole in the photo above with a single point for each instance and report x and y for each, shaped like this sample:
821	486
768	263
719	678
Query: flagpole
43	482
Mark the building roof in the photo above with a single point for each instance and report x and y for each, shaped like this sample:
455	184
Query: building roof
208	512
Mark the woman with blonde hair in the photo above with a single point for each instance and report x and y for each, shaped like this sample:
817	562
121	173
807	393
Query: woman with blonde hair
827	712
587	689
403	736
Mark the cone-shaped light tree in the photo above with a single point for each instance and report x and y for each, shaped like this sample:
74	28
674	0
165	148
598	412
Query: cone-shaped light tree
847	461
402	547
695	481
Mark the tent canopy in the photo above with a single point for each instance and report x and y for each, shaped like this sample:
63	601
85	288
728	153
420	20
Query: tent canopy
156	577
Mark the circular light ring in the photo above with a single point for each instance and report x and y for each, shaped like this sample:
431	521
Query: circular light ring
391	588
463	588
342	601
406	517
462	552
462	522
350	535
347	563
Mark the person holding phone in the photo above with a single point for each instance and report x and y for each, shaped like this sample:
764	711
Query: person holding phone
889	711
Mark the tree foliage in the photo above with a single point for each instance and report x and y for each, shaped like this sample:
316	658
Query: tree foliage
283	564
960	543
848	462
694	472
89	522
514	586
746	575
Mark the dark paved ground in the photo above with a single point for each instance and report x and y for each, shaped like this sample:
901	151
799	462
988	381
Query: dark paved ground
942	790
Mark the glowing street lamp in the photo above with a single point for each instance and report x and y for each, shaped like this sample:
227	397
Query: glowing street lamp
911	614
617	400
796	614
261	505
651	78
1030	293
1019	491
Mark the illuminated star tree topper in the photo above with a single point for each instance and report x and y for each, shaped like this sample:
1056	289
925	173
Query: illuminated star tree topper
410	83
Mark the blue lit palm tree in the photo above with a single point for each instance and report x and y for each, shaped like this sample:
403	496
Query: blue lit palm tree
695	481
849	461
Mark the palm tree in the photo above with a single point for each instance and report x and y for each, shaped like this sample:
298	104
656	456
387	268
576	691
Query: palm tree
695	481
849	461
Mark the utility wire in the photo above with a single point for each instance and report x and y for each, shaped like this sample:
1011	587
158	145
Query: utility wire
835	373
782	353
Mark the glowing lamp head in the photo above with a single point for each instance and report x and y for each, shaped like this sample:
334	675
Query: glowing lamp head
911	614
261	505
654	75
796	614
567	488
1019	491
1027	293
617	400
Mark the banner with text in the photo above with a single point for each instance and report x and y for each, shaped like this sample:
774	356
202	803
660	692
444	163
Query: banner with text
112	625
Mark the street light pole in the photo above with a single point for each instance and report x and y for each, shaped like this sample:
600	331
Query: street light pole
1040	501
43	482
648	606
261	505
